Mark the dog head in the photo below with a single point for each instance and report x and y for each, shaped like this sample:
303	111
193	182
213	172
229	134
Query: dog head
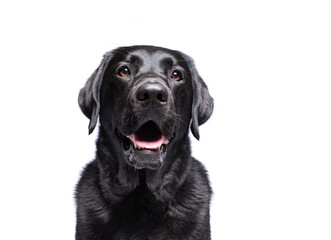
146	98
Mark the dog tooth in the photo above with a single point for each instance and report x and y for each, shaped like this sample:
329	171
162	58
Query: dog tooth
134	141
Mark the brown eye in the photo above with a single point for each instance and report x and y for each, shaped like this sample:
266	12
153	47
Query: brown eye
176	75
123	72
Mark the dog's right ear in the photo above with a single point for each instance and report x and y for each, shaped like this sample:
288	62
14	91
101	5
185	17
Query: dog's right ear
89	95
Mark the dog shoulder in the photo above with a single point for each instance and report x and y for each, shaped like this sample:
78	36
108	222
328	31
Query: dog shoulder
92	212
88	193
201	176
188	213
88	177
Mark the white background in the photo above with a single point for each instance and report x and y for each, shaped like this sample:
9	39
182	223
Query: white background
267	146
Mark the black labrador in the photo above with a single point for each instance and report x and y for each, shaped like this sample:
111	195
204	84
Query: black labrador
143	183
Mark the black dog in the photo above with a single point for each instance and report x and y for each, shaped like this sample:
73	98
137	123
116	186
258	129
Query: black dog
143	183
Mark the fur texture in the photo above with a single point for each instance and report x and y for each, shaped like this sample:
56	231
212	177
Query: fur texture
131	193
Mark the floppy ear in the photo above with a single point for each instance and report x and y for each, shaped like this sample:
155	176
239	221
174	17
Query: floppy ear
89	95
203	103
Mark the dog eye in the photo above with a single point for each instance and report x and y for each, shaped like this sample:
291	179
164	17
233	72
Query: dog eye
124	71
176	75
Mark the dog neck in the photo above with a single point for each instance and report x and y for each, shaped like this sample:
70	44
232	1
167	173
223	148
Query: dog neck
120	179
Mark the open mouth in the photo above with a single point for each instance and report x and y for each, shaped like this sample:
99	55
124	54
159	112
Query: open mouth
146	147
148	137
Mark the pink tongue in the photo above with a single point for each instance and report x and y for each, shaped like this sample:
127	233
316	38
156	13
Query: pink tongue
149	145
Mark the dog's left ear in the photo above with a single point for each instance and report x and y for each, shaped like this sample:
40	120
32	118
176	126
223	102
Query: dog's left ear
203	103
89	95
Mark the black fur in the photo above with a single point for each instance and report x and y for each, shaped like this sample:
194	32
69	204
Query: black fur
126	193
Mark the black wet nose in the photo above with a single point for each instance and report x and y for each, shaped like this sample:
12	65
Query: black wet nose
152	93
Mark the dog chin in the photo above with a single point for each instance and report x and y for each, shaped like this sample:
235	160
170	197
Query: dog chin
146	159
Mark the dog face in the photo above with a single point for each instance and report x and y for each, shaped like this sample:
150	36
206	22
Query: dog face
146	98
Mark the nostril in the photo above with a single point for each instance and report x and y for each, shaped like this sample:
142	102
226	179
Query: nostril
162	96
143	96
